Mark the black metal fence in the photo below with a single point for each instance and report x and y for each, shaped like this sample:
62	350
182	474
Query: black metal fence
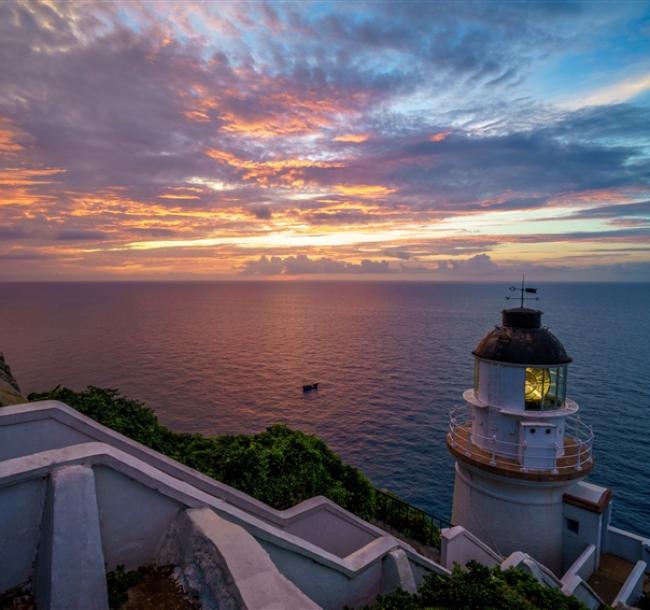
407	519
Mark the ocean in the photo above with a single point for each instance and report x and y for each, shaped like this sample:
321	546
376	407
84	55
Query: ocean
391	359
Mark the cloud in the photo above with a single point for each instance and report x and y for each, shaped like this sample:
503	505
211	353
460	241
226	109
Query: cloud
639	209
478	265
80	235
402	132
303	265
613	94
10	233
262	212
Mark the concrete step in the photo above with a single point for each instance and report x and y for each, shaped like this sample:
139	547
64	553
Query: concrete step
225	567
70	571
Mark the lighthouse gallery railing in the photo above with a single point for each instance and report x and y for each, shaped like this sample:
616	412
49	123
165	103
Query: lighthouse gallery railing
577	454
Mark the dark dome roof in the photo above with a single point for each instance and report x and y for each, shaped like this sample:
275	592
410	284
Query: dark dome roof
522	340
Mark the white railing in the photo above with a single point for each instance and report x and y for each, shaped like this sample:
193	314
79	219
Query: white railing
576	455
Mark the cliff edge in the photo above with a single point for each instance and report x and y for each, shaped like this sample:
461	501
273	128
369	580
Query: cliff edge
9	389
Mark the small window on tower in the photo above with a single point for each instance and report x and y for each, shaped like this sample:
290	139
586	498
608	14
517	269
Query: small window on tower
573	526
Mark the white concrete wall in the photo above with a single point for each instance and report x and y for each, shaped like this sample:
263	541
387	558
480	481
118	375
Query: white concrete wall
330	532
574	580
632	588
589	533
329	588
32	436
627	545
133	518
584	565
510	514
458	545
21	515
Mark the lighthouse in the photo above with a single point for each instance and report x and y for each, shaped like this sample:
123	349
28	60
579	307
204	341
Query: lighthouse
518	441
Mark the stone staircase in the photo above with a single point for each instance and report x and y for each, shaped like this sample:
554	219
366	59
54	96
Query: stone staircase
78	499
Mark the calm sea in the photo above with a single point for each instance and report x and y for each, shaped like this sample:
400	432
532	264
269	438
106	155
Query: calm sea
391	358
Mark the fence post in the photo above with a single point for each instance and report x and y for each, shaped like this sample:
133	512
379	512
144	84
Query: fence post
493	461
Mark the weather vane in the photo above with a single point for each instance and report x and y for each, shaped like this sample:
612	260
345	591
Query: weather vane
523	292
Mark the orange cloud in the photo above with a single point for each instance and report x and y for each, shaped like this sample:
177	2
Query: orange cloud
273	126
285	171
352	138
8	137
196	115
19	176
440	136
178	196
21	196
371	191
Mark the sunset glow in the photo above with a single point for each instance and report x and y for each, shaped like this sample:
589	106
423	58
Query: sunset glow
250	140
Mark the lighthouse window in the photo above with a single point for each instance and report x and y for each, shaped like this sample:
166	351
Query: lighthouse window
573	526
545	388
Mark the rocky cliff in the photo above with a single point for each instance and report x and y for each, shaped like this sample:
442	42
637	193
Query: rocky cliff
9	390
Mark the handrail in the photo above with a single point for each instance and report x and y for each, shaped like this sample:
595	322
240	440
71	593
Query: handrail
577	453
408	519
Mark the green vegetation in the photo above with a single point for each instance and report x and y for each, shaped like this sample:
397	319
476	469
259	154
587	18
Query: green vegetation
118	583
477	586
279	466
147	588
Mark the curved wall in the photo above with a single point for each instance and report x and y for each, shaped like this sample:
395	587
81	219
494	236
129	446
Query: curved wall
511	515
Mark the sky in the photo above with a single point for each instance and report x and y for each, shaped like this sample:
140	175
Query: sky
427	141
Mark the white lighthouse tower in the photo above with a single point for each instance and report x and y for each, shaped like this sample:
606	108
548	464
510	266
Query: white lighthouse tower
518	442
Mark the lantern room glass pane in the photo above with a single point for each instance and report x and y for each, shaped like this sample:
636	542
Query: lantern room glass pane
545	388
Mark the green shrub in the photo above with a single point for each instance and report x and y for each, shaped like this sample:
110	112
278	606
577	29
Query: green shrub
280	467
477	586
118	583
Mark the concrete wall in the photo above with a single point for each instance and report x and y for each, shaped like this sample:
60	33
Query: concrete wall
585	564
133	518
21	514
330	532
627	545
37	435
329	588
460	546
632	588
589	533
510	515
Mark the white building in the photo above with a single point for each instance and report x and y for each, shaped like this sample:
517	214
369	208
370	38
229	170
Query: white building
522	454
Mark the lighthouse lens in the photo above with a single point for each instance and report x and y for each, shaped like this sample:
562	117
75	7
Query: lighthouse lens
538	384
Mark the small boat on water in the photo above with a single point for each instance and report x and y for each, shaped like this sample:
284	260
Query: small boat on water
309	387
